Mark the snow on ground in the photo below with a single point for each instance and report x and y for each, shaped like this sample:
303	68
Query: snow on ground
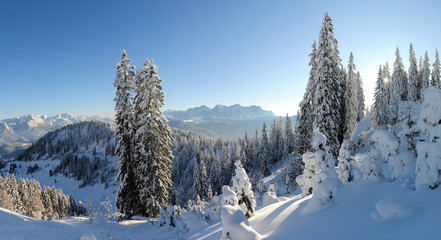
361	210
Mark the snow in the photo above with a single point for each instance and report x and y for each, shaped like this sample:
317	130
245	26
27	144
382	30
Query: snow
390	208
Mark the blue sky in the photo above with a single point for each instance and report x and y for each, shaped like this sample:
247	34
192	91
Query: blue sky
60	56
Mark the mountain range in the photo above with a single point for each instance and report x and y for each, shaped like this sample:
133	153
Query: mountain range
221	121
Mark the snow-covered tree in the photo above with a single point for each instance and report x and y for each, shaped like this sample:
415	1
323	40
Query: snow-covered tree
344	165
319	165
380	101
264	150
127	197
351	101
413	93
153	141
242	188
304	120
327	105
196	188
360	98
425	75
399	80
436	72
289	137
387	80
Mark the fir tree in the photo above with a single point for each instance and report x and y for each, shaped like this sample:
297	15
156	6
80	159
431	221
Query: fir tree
264	152
327	104
153	141
350	97
242	188
380	103
425	75
127	197
413	90
289	137
399	80
387	80
360	98
436	75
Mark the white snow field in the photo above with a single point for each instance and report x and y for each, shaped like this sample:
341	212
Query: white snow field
361	210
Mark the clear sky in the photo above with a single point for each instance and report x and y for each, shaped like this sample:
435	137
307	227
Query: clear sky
60	56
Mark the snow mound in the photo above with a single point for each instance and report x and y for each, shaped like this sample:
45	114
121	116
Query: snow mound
88	236
236	225
323	196
270	196
390	208
192	222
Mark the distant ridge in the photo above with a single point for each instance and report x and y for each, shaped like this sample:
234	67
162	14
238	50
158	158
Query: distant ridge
233	112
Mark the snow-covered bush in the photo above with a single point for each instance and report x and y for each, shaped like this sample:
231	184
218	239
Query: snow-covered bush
370	165
318	165
323	196
242	187
270	196
385	142
428	165
344	166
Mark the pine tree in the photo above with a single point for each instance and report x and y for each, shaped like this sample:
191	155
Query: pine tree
264	152
327	104
127	197
304	118
413	90
344	166
281	138
153	141
203	179
399	80
380	103
350	97
289	137
436	72
360	98
425	76
196	188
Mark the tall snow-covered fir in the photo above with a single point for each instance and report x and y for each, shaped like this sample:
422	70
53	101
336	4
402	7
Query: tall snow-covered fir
436	73
327	105
350	98
127	197
425	73
414	85
153	142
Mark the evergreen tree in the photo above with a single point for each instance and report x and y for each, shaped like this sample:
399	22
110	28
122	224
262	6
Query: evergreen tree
425	75
380	103
327	104
153	141
413	90
242	188
305	118
264	152
203	179
350	97
436	75
289	137
344	166
196	188
127	197
360	98
399	80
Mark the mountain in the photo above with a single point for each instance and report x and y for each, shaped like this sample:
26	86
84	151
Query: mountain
234	112
22	131
221	121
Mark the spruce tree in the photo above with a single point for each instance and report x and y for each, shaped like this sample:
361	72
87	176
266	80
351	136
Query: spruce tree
127	197
350	97
436	72
413	90
399	80
289	137
360	98
242	188
264	152
327	105
387	80
425	75
304	119
380	105
153	141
